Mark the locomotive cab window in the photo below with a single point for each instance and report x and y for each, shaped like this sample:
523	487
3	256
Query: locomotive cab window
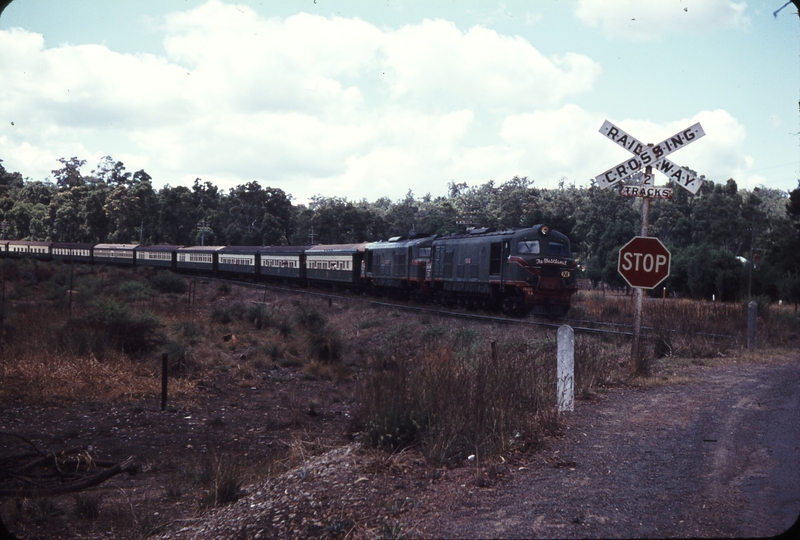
530	247
559	248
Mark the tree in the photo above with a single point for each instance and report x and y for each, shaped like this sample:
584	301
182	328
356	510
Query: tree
177	216
113	173
69	175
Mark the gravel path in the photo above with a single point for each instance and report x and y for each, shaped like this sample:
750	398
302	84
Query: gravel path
717	456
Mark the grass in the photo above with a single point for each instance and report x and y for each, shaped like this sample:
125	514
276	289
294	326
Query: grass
415	380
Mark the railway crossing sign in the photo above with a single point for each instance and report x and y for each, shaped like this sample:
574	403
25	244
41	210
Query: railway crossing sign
644	262
654	156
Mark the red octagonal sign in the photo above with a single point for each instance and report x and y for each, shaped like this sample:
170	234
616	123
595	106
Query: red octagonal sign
644	262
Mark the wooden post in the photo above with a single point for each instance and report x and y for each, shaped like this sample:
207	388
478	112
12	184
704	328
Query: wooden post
565	371
637	314
164	358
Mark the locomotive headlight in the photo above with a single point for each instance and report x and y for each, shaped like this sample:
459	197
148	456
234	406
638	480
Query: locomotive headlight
545	230
565	274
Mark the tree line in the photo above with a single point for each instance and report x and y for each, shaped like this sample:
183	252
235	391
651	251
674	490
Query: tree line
726	243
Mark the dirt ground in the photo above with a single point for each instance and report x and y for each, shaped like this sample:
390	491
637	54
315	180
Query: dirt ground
713	451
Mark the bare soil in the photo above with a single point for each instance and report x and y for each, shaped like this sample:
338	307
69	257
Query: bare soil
708	450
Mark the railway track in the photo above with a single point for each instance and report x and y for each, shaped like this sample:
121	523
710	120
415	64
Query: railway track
578	326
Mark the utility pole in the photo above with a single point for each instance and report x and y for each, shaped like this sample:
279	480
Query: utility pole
203	227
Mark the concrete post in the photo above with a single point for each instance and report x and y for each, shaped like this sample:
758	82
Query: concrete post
752	320
566	369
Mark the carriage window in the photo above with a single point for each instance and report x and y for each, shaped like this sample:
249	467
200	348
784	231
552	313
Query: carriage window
531	247
559	248
424	253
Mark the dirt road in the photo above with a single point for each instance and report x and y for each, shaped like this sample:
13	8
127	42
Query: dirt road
716	456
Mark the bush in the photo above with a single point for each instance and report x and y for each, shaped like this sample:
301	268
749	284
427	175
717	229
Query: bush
309	318
132	331
325	344
458	400
228	314
257	312
134	290
168	282
285	328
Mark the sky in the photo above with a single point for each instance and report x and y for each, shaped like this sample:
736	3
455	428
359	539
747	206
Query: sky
364	99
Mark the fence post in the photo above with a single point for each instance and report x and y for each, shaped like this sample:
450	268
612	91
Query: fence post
752	320
164	381
566	368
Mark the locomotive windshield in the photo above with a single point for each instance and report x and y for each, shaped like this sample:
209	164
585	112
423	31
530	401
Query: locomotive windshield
559	248
531	247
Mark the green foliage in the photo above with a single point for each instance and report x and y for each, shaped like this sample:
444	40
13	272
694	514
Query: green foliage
113	204
309	318
258	312
324	343
168	282
227	314
132	331
434	333
134	290
285	327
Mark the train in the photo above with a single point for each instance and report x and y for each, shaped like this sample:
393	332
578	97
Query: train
517	270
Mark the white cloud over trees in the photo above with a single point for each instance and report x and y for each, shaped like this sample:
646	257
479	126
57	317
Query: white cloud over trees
311	104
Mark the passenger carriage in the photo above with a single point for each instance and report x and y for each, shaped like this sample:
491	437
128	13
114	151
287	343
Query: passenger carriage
283	262
335	263
115	254
238	260
28	248
160	256
72	252
202	258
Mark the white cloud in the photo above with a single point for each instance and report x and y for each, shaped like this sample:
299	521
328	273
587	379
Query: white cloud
306	103
651	20
317	105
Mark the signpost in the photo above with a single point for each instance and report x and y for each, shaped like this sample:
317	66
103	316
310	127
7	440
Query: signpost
644	262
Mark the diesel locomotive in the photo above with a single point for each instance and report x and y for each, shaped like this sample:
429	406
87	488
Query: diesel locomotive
521	270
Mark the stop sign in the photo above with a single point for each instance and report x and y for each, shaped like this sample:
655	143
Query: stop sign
644	262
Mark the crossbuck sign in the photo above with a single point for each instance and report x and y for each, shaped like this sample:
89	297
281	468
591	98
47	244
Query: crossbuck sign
654	156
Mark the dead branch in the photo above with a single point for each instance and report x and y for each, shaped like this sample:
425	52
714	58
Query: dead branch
81	484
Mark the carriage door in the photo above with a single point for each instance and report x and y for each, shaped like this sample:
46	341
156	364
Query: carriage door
496	263
504	267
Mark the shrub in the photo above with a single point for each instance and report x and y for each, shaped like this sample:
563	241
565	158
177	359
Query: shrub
433	333
309	318
324	343
285	328
226	315
458	400
168	282
187	329
132	331
257	312
134	290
